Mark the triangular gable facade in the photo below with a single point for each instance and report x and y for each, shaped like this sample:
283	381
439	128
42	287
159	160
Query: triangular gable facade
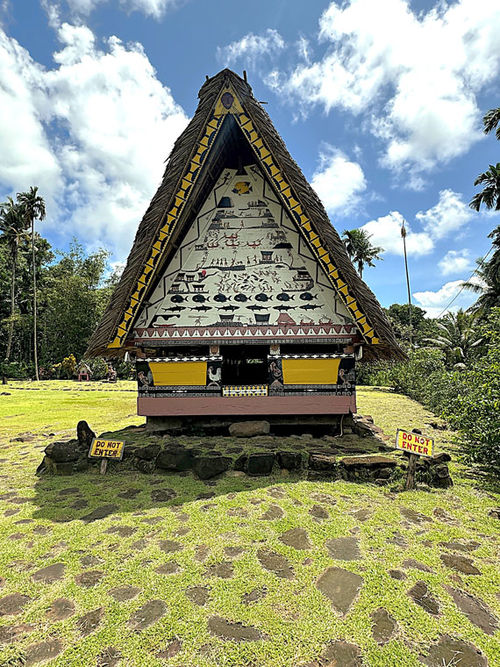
230	175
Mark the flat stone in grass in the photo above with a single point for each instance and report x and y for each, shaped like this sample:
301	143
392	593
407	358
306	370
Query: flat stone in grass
223	570
60	609
324	498
318	512
89	578
170	651
90	560
152	520
168	568
198	594
49	574
89	622
344	548
110	657
148	614
233	552
124	593
475	609
122	531
13	604
235	631
384	626
169	546
341	654
42	651
459	546
12	633
362	514
237	511
416	565
397	574
275	563
454	652
201	552
100	513
254	596
421	595
139	545
129	494
296	538
459	563
80	504
69	491
413	516
399	540
272	513
340	586
162	495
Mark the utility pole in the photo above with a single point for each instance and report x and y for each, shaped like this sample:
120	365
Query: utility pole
403	234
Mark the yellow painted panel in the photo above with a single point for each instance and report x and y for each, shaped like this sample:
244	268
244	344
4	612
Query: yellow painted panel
310	371
179	372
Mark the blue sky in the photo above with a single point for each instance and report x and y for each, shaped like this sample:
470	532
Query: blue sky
380	103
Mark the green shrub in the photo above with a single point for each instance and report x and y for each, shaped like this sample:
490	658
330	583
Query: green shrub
16	370
98	367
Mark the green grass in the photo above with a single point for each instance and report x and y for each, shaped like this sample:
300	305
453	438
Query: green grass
296	618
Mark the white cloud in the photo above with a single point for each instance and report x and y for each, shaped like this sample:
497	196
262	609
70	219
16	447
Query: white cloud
251	48
434	303
455	261
101	118
414	75
448	215
386	233
154	8
338	181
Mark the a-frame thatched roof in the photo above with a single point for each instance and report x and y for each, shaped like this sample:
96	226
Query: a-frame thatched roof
227	108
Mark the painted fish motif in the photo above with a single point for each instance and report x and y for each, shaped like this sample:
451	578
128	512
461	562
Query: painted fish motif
228	308
241	297
262	297
176	309
309	306
256	308
202	308
307	296
283	296
177	298
220	298
282	308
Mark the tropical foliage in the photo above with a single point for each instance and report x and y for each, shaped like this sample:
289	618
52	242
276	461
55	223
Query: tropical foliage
360	250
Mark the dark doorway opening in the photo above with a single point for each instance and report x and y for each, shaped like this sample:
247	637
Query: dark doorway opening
244	364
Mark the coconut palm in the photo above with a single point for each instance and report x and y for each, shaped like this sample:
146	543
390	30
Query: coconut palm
490	195
12	227
488	285
33	207
360	250
458	337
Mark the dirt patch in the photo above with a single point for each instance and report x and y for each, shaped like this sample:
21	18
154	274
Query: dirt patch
60	609
223	570
89	622
124	593
421	595
12	633
201	553
233	552
89	578
148	614
413	516
198	594
340	586
162	495
236	631
455	652
13	604
129	494
254	596
90	560
169	546
43	651
272	513
110	657
122	531
139	545
384	626
168	568
171	651
275	563
296	538
344	548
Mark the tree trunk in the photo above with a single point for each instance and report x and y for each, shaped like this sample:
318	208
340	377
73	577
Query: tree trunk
360	269
12	306
35	349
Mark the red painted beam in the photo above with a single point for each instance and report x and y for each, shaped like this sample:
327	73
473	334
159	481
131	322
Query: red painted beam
248	405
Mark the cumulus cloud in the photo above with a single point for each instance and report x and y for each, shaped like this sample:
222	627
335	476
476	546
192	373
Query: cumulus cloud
447	216
386	233
415	77
455	262
92	133
251	48
434	303
338	181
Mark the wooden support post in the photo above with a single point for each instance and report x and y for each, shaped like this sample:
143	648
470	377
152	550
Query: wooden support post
104	466
412	468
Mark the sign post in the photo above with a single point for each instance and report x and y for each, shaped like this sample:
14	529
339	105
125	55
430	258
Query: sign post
415	444
105	450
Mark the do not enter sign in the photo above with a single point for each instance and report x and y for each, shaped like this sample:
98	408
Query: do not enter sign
414	443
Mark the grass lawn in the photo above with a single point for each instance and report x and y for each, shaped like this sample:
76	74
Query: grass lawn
148	570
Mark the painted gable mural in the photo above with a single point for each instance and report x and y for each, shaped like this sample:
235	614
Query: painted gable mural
243	266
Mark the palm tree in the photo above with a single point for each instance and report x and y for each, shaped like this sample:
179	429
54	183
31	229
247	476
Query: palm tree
490	195
12	226
360	250
458	337
33	207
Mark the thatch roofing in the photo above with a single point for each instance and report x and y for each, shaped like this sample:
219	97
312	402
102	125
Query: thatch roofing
181	194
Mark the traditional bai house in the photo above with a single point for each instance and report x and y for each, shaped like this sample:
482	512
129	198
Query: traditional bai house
238	297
